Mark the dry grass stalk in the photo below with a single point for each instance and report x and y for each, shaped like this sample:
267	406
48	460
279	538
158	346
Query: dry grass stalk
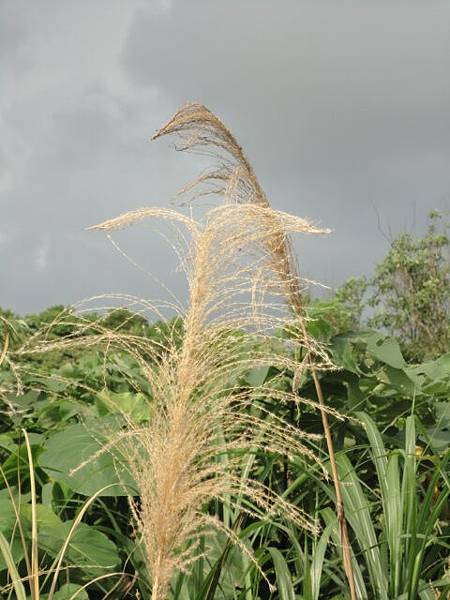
191	451
238	265
4	350
233	177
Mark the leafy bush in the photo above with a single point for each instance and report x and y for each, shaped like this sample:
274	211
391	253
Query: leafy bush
409	295
69	415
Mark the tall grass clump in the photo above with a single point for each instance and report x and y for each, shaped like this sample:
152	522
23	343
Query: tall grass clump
203	422
233	178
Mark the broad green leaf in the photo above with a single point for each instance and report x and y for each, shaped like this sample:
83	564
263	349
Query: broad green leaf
257	376
7	443
135	406
435	369
15	549
46	518
66	450
7	514
69	591
24	401
439	435
386	350
343	354
399	380
319	328
90	548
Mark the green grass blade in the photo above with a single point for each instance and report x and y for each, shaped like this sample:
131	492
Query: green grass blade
431	509
282	574
389	480
318	560
34	574
409	501
357	510
12	570
307	582
329	516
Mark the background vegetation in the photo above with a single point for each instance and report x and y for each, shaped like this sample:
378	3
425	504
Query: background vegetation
394	451
202	458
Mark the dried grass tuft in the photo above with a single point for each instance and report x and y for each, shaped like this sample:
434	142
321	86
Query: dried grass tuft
202	421
233	177
240	269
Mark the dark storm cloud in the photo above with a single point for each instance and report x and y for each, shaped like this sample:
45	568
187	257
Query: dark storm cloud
326	79
343	108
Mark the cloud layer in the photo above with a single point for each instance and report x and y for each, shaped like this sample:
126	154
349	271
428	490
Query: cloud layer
344	109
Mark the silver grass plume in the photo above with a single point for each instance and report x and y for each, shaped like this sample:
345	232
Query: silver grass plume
190	452
232	177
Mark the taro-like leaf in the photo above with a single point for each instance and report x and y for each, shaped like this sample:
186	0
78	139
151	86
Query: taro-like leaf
386	350
81	444
68	591
135	406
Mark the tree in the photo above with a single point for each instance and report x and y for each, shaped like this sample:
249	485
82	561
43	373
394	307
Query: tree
409	295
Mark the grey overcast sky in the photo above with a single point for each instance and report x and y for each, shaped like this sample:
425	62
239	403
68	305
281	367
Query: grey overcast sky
343	108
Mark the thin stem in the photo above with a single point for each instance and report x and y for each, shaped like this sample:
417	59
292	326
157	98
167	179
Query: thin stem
210	131
5	348
296	301
340	511
34	575
155	583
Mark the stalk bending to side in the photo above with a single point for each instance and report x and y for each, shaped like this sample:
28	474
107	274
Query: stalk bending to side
235	178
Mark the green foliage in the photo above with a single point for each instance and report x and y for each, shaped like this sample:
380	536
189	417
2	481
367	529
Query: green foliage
351	298
409	295
399	548
412	289
394	466
81	442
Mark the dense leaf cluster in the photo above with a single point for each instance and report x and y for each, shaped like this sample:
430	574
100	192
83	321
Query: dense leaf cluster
394	465
409	295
